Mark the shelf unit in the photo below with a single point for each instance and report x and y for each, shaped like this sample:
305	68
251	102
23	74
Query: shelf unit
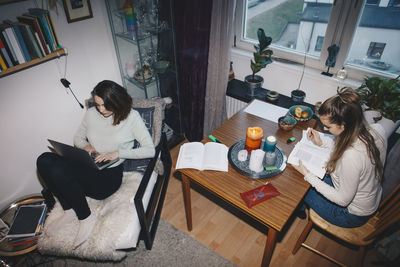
60	52
151	41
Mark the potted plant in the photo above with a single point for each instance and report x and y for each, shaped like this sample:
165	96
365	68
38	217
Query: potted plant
382	96
262	57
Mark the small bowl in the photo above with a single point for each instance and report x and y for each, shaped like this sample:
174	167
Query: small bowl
287	123
272	96
160	66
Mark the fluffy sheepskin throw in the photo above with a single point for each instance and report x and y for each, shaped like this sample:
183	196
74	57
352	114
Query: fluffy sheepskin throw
113	215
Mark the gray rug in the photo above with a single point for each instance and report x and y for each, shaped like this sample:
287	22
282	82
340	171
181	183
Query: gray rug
171	248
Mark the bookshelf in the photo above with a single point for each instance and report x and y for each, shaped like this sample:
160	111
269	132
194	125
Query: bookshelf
60	52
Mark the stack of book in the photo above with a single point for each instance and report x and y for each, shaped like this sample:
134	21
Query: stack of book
27	224
32	36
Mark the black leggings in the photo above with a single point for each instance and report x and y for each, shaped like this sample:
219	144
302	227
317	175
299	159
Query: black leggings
70	183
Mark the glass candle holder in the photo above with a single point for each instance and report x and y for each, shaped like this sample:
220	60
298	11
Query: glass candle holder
270	143
254	136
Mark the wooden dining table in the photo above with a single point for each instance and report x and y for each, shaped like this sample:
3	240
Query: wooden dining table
225	187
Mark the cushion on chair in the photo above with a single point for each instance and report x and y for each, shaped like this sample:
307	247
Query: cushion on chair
151	112
117	225
391	177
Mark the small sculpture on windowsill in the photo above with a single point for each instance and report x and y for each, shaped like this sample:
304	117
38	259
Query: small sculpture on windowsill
333	50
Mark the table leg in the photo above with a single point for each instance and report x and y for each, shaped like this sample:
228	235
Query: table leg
269	247
187	201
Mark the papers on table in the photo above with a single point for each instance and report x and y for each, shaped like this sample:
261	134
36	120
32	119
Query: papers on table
265	110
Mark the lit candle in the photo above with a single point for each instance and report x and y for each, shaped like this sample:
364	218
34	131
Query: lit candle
253	138
270	143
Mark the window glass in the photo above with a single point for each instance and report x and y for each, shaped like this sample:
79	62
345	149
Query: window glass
297	25
394	3
375	42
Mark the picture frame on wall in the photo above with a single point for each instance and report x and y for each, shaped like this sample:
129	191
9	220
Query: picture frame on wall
77	10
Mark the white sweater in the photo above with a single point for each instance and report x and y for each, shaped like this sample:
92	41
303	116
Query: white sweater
355	185
97	130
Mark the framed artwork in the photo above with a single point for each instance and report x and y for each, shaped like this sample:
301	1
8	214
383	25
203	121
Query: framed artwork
77	10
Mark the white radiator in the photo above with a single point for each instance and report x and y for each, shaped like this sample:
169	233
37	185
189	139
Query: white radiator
233	105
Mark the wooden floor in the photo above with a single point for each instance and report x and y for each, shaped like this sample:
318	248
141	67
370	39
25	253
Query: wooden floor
244	245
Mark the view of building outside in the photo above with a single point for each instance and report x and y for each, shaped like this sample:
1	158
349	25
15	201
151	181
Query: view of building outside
300	25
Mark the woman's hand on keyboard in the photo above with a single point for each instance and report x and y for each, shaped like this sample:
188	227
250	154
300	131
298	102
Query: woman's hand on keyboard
107	156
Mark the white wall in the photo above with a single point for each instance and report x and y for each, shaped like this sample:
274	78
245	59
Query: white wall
34	105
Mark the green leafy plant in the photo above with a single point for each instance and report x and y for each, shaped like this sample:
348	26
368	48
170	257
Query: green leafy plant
262	56
383	95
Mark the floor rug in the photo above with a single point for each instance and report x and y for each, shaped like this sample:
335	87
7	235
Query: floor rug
171	248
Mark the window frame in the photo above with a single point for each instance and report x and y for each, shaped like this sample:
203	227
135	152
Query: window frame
341	28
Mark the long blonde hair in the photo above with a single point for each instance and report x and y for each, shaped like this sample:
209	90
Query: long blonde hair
345	109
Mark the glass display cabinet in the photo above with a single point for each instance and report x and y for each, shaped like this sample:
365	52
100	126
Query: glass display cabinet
144	40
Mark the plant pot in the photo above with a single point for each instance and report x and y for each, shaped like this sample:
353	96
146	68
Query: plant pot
253	84
298	95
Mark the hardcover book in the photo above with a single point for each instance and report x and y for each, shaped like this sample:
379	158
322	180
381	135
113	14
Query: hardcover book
7	44
9	34
20	39
33	22
40	13
30	40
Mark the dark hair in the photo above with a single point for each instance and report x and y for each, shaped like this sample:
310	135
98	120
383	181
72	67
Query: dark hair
345	109
116	99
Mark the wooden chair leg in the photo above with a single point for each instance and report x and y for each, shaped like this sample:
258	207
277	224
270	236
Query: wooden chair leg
360	256
302	237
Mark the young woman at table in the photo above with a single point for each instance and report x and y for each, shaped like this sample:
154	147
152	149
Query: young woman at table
350	192
109	129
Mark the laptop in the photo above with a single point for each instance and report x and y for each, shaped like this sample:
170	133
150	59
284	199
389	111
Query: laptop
79	156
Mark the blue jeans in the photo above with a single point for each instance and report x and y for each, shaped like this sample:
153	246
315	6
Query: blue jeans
330	211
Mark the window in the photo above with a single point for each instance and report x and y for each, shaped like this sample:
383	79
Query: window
318	44
372	2
394	3
366	31
375	50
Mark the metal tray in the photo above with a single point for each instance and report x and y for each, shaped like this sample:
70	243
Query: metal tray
242	167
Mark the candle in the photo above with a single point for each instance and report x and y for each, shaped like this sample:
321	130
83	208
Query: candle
256	160
270	158
253	138
270	143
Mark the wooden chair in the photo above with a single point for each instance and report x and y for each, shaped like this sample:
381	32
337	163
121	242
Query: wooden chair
387	215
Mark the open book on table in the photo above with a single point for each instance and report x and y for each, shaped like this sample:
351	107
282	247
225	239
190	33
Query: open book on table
209	156
314	158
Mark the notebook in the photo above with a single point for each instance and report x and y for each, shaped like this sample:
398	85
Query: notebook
79	156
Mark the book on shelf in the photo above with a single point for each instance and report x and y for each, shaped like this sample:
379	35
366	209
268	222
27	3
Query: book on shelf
313	157
20	39
7	45
33	22
27	221
5	55
52	29
209	156
43	29
2	63
30	40
41	14
9	34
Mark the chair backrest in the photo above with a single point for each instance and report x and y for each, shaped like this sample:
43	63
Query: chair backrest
388	213
391	177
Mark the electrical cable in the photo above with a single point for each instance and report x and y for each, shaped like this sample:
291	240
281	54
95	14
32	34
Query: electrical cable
66	84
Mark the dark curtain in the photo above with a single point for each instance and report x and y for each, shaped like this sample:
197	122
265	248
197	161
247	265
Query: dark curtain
192	28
